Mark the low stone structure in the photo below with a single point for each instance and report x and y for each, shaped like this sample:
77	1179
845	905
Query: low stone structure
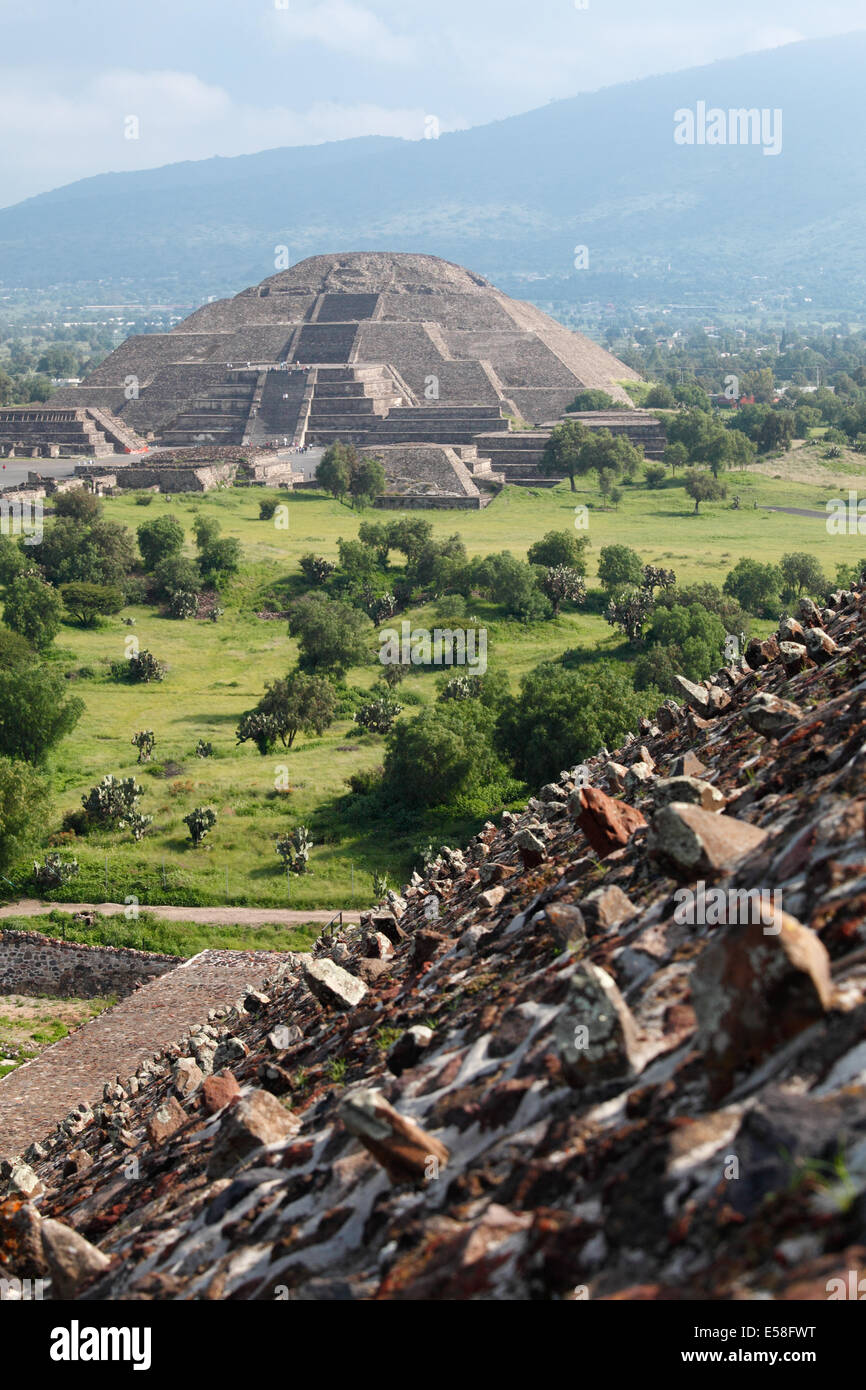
34	964
51	432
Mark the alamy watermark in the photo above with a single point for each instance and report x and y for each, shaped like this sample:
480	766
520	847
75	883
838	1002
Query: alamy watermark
710	907
712	125
419	646
847	518
22	517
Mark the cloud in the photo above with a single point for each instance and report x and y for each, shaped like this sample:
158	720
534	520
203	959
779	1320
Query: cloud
52	138
341	25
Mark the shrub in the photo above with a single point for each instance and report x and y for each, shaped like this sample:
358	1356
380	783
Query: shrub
316	569
200	822
140	668
183	604
267	508
158	539
55	872
294	849
112	804
203	749
378	716
144	742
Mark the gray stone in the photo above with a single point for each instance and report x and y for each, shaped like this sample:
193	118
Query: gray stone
333	986
72	1261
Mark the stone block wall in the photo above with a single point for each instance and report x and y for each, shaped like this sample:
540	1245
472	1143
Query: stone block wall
34	964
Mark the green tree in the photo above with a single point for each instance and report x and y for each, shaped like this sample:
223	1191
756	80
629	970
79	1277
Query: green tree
561	584
296	704
331	636
334	471
367	482
158	539
703	487
513	584
593	400
685	641
619	564
80	503
220	559
562	716
801	574
560	548
756	586
87	602
35	711
33	608
24	809
563	449
99	553
676	456
442	756
176	574
206	529
660	397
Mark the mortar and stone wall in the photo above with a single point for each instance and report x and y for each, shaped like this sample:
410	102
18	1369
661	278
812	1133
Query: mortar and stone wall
34	964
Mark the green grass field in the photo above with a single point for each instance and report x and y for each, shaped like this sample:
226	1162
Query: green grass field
218	670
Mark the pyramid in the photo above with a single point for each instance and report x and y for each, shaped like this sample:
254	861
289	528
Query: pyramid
380	350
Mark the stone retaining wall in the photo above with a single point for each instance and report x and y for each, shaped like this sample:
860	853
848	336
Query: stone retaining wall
34	964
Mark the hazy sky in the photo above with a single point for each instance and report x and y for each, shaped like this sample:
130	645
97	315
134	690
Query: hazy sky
206	77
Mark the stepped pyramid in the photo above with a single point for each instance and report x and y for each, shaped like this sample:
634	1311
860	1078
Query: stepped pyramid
386	351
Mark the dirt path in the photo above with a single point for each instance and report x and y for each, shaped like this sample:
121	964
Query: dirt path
211	916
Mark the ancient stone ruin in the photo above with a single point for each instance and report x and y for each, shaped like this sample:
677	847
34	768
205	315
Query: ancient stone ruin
410	358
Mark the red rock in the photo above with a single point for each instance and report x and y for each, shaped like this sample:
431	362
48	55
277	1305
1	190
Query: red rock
606	823
219	1091
405	1151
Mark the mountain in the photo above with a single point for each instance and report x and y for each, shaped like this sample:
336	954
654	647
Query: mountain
512	199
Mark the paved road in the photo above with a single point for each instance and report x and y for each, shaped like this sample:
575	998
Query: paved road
212	916
797	511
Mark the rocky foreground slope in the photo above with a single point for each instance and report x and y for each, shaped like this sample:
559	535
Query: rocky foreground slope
583	1058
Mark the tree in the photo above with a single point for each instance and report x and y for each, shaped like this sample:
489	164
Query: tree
15	650
87	602
562	584
206	529
756	586
513	584
444	754
366	482
316	569
12	559
220	559
562	716
801	574
332	636
33	608
80	504
176	574
334	471
158	539
654	474
660	397
703	487
296	704
357	561
560	548
676	456
777	431
562	450
606	480
100	553
629	609
378	538
619	564
593	400
688	641
24	809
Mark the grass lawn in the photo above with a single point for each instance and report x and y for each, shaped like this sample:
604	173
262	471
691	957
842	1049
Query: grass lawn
218	670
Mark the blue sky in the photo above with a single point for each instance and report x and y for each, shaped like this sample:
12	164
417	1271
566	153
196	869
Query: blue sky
206	77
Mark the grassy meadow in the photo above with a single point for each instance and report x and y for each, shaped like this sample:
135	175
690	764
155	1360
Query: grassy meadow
217	670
